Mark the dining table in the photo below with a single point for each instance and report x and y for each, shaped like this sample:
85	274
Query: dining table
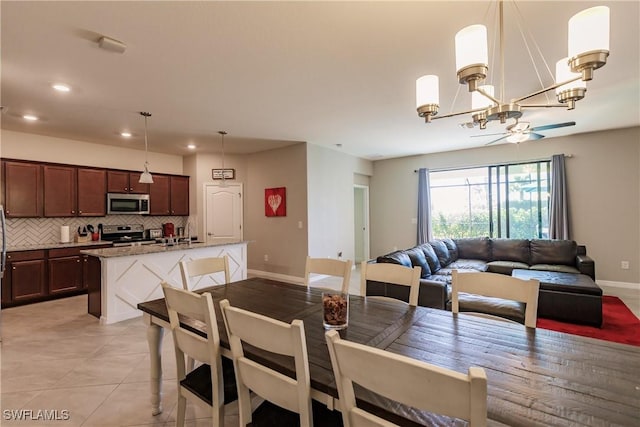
535	377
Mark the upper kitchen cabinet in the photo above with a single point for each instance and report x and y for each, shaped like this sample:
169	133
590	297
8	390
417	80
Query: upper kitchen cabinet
159	196
60	190
125	182
179	195
22	189
92	185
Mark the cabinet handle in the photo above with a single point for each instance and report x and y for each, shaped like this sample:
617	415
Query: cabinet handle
73	211
13	268
126	189
78	212
8	256
77	260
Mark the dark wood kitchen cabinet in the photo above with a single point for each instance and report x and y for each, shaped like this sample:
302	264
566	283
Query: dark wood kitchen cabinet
65	270
160	196
26	276
22	189
60	190
179	195
92	186
125	182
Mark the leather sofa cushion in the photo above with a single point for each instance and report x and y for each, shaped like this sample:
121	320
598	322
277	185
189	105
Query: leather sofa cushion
555	267
432	258
553	252
397	257
441	251
418	260
474	248
505	267
508	309
510	250
453	249
468	264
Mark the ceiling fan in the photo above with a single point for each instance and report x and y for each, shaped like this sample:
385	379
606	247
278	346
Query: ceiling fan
522	131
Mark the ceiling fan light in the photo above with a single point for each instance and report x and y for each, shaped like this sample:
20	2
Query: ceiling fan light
471	46
589	31
478	100
517	137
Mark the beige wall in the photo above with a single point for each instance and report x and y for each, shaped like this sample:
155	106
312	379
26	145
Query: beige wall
330	179
27	146
604	194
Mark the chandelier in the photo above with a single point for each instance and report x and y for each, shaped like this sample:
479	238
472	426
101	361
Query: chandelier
588	49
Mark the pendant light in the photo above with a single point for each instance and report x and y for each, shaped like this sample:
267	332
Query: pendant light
222	134
145	177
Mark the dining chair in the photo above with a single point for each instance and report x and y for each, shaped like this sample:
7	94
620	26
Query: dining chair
329	267
212	383
420	385
391	273
509	298
287	400
203	267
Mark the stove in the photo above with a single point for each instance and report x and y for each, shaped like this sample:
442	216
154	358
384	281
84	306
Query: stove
125	235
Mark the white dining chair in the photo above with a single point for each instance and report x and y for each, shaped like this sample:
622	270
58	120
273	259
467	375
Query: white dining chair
212	383
391	273
204	267
329	267
288	399
520	297
420	385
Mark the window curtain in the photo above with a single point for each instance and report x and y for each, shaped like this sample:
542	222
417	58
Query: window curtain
424	207
558	209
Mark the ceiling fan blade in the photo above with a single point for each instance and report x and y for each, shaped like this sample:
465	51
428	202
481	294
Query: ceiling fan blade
533	136
557	125
489	134
496	140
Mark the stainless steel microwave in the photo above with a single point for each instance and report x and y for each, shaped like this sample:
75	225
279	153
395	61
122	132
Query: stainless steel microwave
129	204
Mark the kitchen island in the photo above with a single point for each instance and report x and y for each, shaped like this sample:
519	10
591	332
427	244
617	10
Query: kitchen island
132	274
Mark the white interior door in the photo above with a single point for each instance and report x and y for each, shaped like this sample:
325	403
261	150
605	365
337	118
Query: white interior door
223	212
361	222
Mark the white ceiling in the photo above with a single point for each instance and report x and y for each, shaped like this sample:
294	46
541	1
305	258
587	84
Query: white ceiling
274	73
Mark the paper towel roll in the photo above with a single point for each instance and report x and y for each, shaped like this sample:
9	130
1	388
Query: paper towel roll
64	233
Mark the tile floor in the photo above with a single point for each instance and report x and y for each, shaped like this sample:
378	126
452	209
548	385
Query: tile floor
54	356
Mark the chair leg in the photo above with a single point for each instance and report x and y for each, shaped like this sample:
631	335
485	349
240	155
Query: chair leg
244	405
182	410
217	415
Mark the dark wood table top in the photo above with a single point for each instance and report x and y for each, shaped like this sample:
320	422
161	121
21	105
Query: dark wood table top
535	377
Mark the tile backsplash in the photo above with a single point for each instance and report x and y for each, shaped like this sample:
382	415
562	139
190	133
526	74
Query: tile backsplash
37	231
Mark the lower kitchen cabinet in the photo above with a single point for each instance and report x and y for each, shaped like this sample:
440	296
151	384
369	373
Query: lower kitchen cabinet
25	276
65	270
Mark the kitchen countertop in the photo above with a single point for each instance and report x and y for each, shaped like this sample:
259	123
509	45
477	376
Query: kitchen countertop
153	249
56	245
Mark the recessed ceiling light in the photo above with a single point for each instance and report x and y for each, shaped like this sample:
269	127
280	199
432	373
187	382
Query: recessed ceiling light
30	117
125	134
61	87
191	146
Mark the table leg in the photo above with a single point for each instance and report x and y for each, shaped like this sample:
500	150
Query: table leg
155	334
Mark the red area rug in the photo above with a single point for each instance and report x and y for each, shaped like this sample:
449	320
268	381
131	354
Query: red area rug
619	324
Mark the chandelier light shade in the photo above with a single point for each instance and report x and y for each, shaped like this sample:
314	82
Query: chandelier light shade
588	49
427	96
145	177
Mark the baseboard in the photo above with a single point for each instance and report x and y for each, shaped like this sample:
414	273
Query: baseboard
618	285
276	276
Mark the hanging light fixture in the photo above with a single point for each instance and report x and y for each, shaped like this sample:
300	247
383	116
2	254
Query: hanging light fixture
222	134
588	49
145	177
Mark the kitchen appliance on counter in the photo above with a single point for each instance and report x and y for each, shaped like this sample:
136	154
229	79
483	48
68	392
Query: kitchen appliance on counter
125	235
168	230
154	233
130	204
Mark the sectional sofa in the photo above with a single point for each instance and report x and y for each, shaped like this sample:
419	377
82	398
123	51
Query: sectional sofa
439	257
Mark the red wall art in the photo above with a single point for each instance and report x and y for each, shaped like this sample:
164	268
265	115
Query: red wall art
275	201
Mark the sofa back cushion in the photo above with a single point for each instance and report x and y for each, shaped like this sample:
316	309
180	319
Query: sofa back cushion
474	248
432	258
516	250
553	252
397	257
441	251
416	255
453	249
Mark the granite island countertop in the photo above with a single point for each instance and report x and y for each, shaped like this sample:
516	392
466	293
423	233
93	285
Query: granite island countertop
154	248
56	245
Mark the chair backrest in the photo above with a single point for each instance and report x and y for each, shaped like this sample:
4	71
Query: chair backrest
276	337
391	273
187	343
329	267
411	382
203	267
497	286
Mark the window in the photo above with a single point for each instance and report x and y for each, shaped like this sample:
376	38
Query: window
496	201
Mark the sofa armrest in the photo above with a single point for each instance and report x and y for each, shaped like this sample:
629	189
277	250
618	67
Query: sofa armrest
432	294
585	264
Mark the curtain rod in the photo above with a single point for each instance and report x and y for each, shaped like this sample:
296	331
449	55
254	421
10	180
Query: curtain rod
566	156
